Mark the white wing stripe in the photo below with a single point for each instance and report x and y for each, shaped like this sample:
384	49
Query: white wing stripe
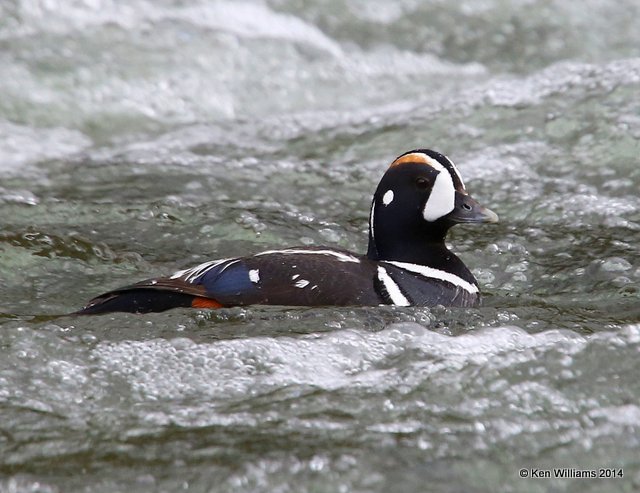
189	275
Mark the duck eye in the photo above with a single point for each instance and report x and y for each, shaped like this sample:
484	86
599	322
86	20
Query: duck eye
422	183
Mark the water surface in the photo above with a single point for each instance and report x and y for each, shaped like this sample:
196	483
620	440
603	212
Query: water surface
137	138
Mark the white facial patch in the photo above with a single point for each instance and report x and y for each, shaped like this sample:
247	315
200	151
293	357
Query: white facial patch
254	276
387	198
442	199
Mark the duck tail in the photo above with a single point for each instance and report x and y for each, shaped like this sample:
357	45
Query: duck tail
147	297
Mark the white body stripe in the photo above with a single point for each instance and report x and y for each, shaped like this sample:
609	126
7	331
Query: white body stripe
392	288
442	199
432	273
302	283
342	257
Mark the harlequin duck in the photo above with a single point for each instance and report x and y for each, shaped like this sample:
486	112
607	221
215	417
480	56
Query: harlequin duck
407	263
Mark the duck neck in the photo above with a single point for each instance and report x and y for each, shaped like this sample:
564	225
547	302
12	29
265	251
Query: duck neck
422	244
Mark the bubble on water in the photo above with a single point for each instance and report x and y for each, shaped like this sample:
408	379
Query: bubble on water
494	163
519	277
620	184
616	264
519	267
330	235
25	484
305	240
621	281
18	196
626	415
631	333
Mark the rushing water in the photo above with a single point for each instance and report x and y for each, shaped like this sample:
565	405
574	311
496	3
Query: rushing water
140	137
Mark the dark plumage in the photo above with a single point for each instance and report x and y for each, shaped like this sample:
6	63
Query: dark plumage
407	263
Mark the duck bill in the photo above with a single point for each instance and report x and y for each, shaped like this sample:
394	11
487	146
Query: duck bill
468	210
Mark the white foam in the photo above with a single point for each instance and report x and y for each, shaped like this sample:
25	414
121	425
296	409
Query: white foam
227	368
22	147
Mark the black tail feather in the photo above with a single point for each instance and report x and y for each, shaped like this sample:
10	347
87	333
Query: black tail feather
137	301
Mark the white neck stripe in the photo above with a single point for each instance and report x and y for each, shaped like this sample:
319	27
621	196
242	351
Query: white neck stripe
432	273
392	288
373	234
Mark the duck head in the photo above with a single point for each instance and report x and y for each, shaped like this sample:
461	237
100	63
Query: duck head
418	199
